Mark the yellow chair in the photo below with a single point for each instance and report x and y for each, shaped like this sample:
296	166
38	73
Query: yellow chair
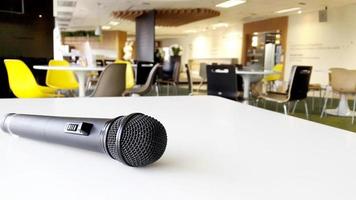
130	79
22	82
64	80
275	77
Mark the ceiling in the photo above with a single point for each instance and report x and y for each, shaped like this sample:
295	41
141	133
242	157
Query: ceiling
74	15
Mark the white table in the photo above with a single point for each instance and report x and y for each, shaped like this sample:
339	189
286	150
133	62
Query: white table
343	109
217	149
246	78
78	70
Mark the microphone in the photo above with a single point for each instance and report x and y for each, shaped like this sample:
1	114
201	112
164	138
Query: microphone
136	140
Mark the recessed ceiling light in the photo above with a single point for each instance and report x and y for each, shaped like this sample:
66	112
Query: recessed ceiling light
114	23
66	3
300	12
230	3
106	27
190	31
65	13
287	10
63	19
220	25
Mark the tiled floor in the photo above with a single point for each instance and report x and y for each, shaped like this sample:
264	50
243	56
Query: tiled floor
339	122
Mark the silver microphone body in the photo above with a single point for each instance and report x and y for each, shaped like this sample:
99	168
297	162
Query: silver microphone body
135	140
53	130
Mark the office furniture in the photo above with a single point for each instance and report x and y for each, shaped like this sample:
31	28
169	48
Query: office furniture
276	76
316	87
195	66
328	89
111	82
142	71
224	150
271	79
99	63
297	89
202	74
108	61
222	81
173	80
147	87
169	68
130	78
189	79
343	82
253	67
78	70
246	78
63	80
23	83
40	76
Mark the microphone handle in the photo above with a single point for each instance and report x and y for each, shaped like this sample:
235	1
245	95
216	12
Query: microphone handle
84	133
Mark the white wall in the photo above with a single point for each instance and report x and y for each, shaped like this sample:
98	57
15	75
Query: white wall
322	45
220	43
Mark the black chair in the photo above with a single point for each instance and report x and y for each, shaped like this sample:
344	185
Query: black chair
222	81
173	80
189	79
169	68
108	62
239	80
297	89
99	63
143	71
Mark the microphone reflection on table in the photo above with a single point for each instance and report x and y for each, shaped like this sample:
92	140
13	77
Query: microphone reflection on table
136	140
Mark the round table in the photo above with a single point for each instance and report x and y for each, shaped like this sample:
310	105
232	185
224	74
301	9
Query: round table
343	109
246	78
78	70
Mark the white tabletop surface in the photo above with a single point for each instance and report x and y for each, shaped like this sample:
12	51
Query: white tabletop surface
217	149
70	68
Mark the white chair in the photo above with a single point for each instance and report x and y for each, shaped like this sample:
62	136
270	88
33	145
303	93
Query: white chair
202	74
343	82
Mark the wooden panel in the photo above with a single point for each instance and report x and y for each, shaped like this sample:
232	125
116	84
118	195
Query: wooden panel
27	34
269	25
121	40
170	17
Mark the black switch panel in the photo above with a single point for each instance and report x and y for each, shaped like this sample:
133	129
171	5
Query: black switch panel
82	128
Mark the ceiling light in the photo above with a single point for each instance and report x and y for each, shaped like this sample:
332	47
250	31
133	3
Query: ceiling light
66	3
300	12
220	25
230	3
63	19
190	31
287	10
106	27
114	23
65	13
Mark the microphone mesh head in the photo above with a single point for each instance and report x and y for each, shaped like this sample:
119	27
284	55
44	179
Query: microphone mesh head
142	140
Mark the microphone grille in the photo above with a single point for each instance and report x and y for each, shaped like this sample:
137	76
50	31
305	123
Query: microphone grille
142	140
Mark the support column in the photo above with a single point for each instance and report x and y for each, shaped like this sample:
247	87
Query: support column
145	37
